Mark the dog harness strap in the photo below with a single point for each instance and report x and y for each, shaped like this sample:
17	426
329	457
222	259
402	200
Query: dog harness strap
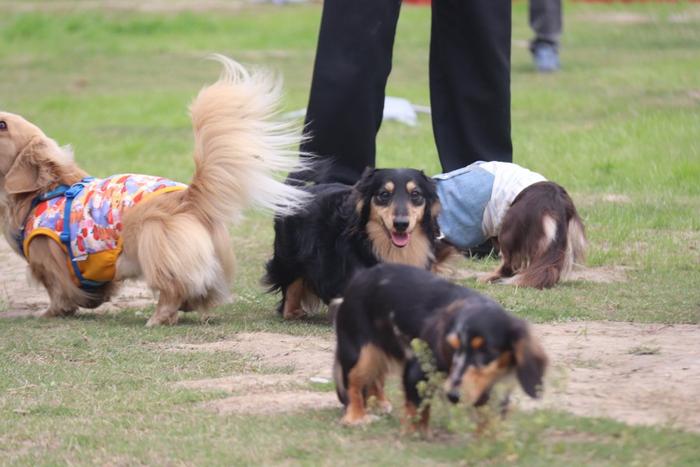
70	194
60	190
86	220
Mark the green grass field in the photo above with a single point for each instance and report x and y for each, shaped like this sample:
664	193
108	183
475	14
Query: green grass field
622	118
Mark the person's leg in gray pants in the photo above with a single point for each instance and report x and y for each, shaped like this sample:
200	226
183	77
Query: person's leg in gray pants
546	23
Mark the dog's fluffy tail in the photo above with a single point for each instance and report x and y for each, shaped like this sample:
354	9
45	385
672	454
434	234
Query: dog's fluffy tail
575	244
240	148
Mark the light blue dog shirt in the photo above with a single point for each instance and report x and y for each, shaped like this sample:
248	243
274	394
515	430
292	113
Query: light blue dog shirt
475	198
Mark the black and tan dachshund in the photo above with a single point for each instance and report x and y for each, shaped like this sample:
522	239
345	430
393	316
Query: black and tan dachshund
473	340
389	215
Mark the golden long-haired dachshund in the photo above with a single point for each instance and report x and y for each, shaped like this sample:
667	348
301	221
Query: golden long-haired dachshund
81	236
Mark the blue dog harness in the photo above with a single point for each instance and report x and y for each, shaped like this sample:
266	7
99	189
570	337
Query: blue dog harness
69	192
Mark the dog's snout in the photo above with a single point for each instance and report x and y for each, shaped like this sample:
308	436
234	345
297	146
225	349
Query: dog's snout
453	396
401	224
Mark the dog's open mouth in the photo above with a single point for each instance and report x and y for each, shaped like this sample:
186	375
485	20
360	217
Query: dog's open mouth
400	239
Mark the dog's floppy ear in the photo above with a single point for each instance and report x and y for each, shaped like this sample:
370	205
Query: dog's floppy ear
364	183
530	361
433	206
362	193
367	173
31	170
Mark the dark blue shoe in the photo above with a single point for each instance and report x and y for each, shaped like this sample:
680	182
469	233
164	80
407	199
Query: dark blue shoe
546	58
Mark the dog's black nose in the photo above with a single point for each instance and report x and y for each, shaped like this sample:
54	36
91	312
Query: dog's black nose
453	396
400	224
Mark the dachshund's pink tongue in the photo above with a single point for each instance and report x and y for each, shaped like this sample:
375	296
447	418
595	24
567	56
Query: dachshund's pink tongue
400	239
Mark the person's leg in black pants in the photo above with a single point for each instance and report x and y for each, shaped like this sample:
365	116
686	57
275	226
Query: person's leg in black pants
346	103
470	81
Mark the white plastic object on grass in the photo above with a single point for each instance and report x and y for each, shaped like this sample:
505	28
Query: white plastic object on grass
395	108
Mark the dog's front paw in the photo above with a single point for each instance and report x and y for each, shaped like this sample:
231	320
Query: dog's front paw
158	320
294	314
358	421
487	278
56	313
380	406
410	428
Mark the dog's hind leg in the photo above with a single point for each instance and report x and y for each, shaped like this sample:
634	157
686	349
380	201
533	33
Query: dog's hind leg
504	270
166	310
178	255
355	413
293	295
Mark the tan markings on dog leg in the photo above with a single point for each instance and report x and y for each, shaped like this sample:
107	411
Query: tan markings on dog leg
416	421
477	381
292	300
376	390
410	417
355	411
310	303
371	366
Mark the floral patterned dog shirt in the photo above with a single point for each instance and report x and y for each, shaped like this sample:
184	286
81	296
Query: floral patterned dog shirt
96	215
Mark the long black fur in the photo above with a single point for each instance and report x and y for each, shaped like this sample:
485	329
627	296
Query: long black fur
327	242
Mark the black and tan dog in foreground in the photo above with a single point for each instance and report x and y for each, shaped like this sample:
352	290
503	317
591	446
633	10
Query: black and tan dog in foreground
389	215
473	340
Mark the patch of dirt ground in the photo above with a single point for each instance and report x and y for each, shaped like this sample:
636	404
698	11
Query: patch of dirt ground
641	374
309	359
636	373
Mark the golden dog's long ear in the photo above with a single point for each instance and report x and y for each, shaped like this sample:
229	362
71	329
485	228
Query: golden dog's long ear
33	169
530	361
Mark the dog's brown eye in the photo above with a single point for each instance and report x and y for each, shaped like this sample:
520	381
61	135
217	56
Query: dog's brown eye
3	125
384	196
416	197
